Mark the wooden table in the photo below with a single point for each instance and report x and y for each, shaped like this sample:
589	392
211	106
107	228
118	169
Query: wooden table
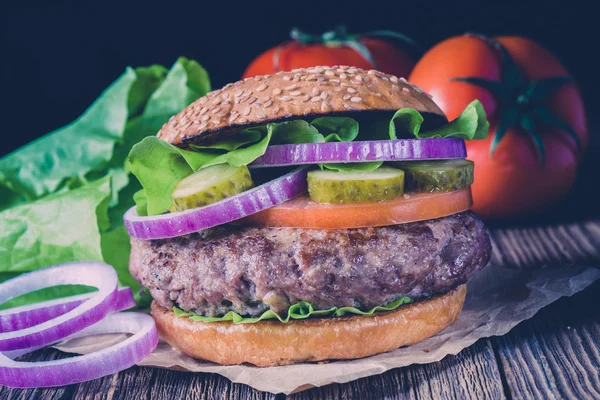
556	354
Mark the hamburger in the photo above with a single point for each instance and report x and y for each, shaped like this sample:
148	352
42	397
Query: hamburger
368	249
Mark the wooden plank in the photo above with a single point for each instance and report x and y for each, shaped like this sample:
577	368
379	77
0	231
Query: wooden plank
132	383
529	247
60	393
557	353
471	374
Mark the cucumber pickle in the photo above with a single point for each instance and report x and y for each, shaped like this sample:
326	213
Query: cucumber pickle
210	185
337	187
437	175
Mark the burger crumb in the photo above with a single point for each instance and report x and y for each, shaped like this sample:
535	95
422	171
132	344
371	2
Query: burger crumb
427	350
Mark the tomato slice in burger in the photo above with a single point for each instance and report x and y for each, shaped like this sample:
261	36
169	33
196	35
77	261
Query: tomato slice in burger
301	212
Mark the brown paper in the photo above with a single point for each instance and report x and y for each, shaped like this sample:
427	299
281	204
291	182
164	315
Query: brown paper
497	300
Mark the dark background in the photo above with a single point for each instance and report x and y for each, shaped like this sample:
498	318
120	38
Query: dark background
58	56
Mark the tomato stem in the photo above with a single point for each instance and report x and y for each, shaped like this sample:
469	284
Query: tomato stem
521	101
339	37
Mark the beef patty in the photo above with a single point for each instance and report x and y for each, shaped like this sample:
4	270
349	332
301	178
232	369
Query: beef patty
249	269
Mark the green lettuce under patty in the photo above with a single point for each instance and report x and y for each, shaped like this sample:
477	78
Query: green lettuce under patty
159	165
301	310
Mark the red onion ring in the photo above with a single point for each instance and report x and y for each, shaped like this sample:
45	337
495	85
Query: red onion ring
90	366
363	151
100	303
22	317
227	210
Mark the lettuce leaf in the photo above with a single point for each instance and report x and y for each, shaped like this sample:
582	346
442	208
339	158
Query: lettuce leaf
58	228
349	167
301	310
336	129
63	196
159	165
471	124
43	166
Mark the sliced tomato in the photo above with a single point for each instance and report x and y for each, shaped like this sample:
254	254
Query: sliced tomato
302	212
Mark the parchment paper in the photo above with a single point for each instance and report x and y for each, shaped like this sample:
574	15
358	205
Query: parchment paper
497	299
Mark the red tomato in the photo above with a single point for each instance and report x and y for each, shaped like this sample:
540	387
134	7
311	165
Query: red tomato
388	57
301	212
512	182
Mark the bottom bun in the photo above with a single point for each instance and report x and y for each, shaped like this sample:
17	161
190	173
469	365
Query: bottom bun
269	343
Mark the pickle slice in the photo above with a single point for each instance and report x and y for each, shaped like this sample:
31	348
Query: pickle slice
437	175
210	185
337	187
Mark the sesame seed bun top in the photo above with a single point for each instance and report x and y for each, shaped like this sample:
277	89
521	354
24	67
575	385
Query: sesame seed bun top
301	93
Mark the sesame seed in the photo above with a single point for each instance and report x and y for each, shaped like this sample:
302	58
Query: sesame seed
268	104
312	77
306	98
203	111
261	88
296	80
216	110
315	91
358	78
238	93
217	102
394	79
225	96
315	99
292	87
405	89
319	70
246	111
276	91
403	80
276	110
329	73
297	74
324	95
356	99
334	80
287	78
371	72
346	97
351	90
343	76
337	89
233	117
243	120
296	93
206	118
261	115
285	98
252	100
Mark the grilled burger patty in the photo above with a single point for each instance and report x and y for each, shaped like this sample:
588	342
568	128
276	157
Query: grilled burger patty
249	270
